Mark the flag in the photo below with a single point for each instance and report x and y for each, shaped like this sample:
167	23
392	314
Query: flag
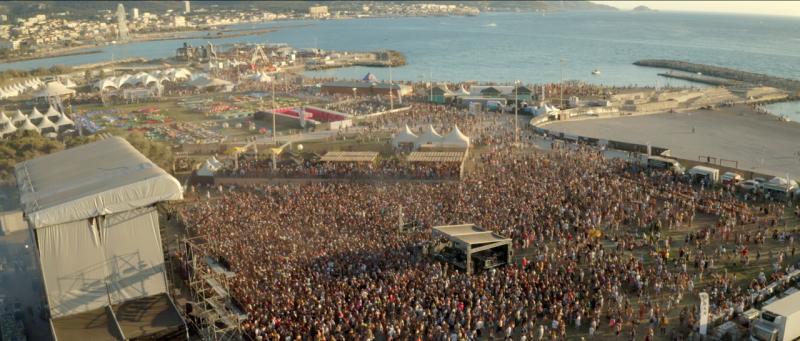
379	98
399	96
302	117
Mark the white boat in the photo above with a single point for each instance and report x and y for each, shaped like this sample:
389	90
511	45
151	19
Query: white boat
596	72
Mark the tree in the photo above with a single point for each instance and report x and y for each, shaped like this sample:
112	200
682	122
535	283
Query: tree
24	145
102	74
87	75
72	142
157	152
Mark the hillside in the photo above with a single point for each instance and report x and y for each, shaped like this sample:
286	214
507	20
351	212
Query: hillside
90	9
579	5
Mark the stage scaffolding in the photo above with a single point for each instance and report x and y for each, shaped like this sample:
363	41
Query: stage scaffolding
216	315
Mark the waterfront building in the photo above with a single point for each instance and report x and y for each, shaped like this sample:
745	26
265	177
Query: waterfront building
135	13
438	94
186	7
10	44
318	11
364	88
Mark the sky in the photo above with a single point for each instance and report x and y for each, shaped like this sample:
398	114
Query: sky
791	8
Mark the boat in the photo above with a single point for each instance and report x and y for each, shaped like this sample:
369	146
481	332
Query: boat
596	72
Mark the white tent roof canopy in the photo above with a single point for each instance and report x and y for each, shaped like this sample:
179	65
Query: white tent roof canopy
35	114
19	117
430	137
107	177
456	138
404	136
4	118
54	89
208	169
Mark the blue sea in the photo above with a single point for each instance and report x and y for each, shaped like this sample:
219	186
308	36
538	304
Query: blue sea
500	47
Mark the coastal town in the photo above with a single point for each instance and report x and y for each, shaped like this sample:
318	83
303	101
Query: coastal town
248	191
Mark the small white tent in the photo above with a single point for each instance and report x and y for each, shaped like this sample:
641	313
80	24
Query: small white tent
63	120
215	162
404	136
28	126
51	113
430	137
35	114
455	139
10	128
70	84
19	117
4	119
207	170
46	124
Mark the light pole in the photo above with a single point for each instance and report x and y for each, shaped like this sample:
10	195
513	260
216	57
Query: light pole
516	105
561	87
273	113
391	90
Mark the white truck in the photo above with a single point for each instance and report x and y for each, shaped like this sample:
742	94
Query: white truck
779	321
663	163
711	174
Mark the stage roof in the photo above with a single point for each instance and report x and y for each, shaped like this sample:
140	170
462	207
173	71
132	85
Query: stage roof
435	157
349	157
100	178
471	234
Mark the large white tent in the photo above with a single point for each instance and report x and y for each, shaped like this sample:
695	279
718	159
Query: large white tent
91	212
54	89
405	136
545	109
430	137
206	82
455	139
261	77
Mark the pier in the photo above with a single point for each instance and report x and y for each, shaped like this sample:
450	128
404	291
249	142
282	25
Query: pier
726	73
702	79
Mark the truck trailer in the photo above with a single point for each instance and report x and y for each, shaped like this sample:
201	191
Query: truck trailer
778	321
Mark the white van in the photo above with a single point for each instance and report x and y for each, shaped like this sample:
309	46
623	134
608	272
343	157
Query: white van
712	174
663	163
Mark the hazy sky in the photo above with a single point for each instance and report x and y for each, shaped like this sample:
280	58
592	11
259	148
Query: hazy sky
749	7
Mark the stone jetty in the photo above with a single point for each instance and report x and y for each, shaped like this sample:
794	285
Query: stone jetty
119	61
721	72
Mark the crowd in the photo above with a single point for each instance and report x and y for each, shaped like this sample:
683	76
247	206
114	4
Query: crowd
308	169
595	241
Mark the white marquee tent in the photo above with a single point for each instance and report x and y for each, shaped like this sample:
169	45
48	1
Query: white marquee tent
430	137
4	119
35	114
63	120
404	136
28	125
52	112
216	163
54	89
45	124
455	139
9	128
70	84
19	117
208	169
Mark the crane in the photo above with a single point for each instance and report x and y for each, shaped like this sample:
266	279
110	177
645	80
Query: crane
258	53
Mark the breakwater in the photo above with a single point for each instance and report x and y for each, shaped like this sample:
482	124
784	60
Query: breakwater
53	56
721	72
103	64
217	36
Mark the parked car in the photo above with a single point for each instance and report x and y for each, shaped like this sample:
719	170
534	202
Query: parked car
749	185
760	181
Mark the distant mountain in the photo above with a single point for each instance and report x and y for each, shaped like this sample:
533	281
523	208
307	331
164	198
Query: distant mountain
580	5
643	9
